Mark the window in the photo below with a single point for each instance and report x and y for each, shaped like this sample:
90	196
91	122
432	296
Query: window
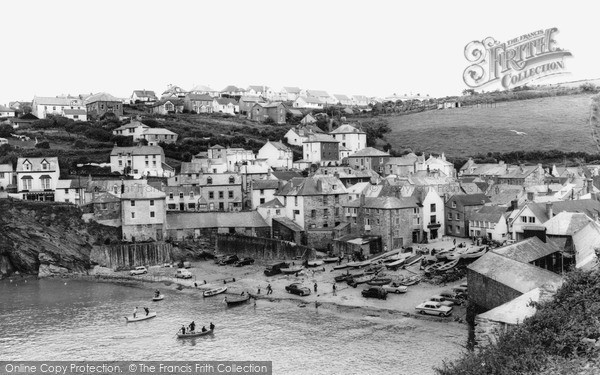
415	210
181	195
432	207
326	212
104	206
147	164
151	213
132	203
457	216
151	202
313	213
171	195
211	195
453	204
191	194
432	219
295	201
337	211
336	199
230	194
45	183
231	179
221	195
277	212
27	184
154	163
209	181
45	166
262	200
120	163
192	206
133	215
449	215
532	219
172	206
262	191
523	219
325	199
367	221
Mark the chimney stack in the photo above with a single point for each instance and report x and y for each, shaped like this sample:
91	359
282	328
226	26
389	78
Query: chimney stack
590	185
530	196
362	200
514	204
549	210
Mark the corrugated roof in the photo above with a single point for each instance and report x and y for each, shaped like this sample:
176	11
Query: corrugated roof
194	220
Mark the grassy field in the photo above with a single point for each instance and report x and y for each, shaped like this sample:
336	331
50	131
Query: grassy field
554	123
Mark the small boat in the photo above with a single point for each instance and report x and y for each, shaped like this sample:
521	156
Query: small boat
474	252
214	292
342	278
434	267
410	280
236	300
359	280
340	266
396	264
330	260
443	254
449	265
291	270
194	334
379	281
140	317
354	264
414	259
160	297
456	254
314	263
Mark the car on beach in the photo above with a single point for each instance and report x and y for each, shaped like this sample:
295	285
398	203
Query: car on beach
298	289
229	259
397	289
460	290
244	262
375	292
275	268
441	300
182	273
434	308
458	299
138	271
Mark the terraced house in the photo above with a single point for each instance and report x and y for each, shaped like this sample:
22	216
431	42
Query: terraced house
140	161
221	191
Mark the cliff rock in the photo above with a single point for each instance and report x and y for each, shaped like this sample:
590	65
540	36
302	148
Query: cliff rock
45	238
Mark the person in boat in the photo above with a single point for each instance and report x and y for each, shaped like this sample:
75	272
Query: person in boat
192	326
147	310
203	328
182	330
242	294
157	293
212	326
135	312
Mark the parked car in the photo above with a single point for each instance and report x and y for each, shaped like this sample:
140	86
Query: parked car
434	308
244	262
298	289
187	265
374	292
182	273
460	290
230	259
458	299
274	269
395	289
441	300
138	271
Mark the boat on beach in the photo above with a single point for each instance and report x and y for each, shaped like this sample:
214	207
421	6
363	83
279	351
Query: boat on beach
442	255
236	300
340	266
291	270
140	317
475	252
214	292
379	281
314	263
412	280
434	267
449	265
456	254
413	259
194	334
396	264
160	297
354	281
331	260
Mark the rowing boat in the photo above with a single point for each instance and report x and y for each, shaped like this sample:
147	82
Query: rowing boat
449	265
331	260
314	263
236	300
474	253
291	270
140	317
194	334
340	266
359	280
410	280
379	281
158	298
414	259
214	292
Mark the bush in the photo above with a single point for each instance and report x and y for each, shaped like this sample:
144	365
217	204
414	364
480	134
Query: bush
44	144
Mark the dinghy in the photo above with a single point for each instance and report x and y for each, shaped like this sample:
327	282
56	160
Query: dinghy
140	317
214	292
160	297
194	334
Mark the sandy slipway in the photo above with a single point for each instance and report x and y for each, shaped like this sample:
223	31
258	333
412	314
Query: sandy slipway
249	279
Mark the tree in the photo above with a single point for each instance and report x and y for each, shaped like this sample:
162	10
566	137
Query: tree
468	92
44	144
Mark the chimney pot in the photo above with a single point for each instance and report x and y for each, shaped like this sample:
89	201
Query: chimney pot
549	211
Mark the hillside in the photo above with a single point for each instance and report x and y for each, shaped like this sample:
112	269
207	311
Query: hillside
553	123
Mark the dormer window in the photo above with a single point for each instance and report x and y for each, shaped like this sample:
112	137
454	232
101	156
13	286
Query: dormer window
191	194
45	165
231	179
209	181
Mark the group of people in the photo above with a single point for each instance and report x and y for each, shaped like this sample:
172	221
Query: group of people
192	328
157	293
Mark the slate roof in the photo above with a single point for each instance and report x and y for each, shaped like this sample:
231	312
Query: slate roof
202	97
586	241
101	97
528	250
566	223
346	172
292	90
265	184
257	88
36	164
132	125
185	189
43	100
590	207
316	185
370	152
6	109
138	150
317	93
145	93
408	159
288	223
104	197
69	111
178	102
6	168
226	101
490	214
519	276
286	175
320	138
385	203
280	146
470	199
273	203
194	220
347	129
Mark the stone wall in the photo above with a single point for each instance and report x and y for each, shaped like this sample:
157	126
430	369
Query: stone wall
132	255
487	293
261	248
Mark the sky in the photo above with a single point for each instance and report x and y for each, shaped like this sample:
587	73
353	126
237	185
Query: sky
373	48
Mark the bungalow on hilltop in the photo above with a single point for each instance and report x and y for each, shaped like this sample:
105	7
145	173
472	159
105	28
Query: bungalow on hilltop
143	96
167	105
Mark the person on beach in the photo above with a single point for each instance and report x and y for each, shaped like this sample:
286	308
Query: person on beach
192	326
269	289
315	287
334	289
212	326
135	312
147	310
242	294
454	242
258	290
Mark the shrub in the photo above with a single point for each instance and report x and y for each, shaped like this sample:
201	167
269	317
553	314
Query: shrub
44	144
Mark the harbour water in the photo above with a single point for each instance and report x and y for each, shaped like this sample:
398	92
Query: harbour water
79	320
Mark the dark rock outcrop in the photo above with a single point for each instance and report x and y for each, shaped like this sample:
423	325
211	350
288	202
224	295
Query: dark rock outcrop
48	238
